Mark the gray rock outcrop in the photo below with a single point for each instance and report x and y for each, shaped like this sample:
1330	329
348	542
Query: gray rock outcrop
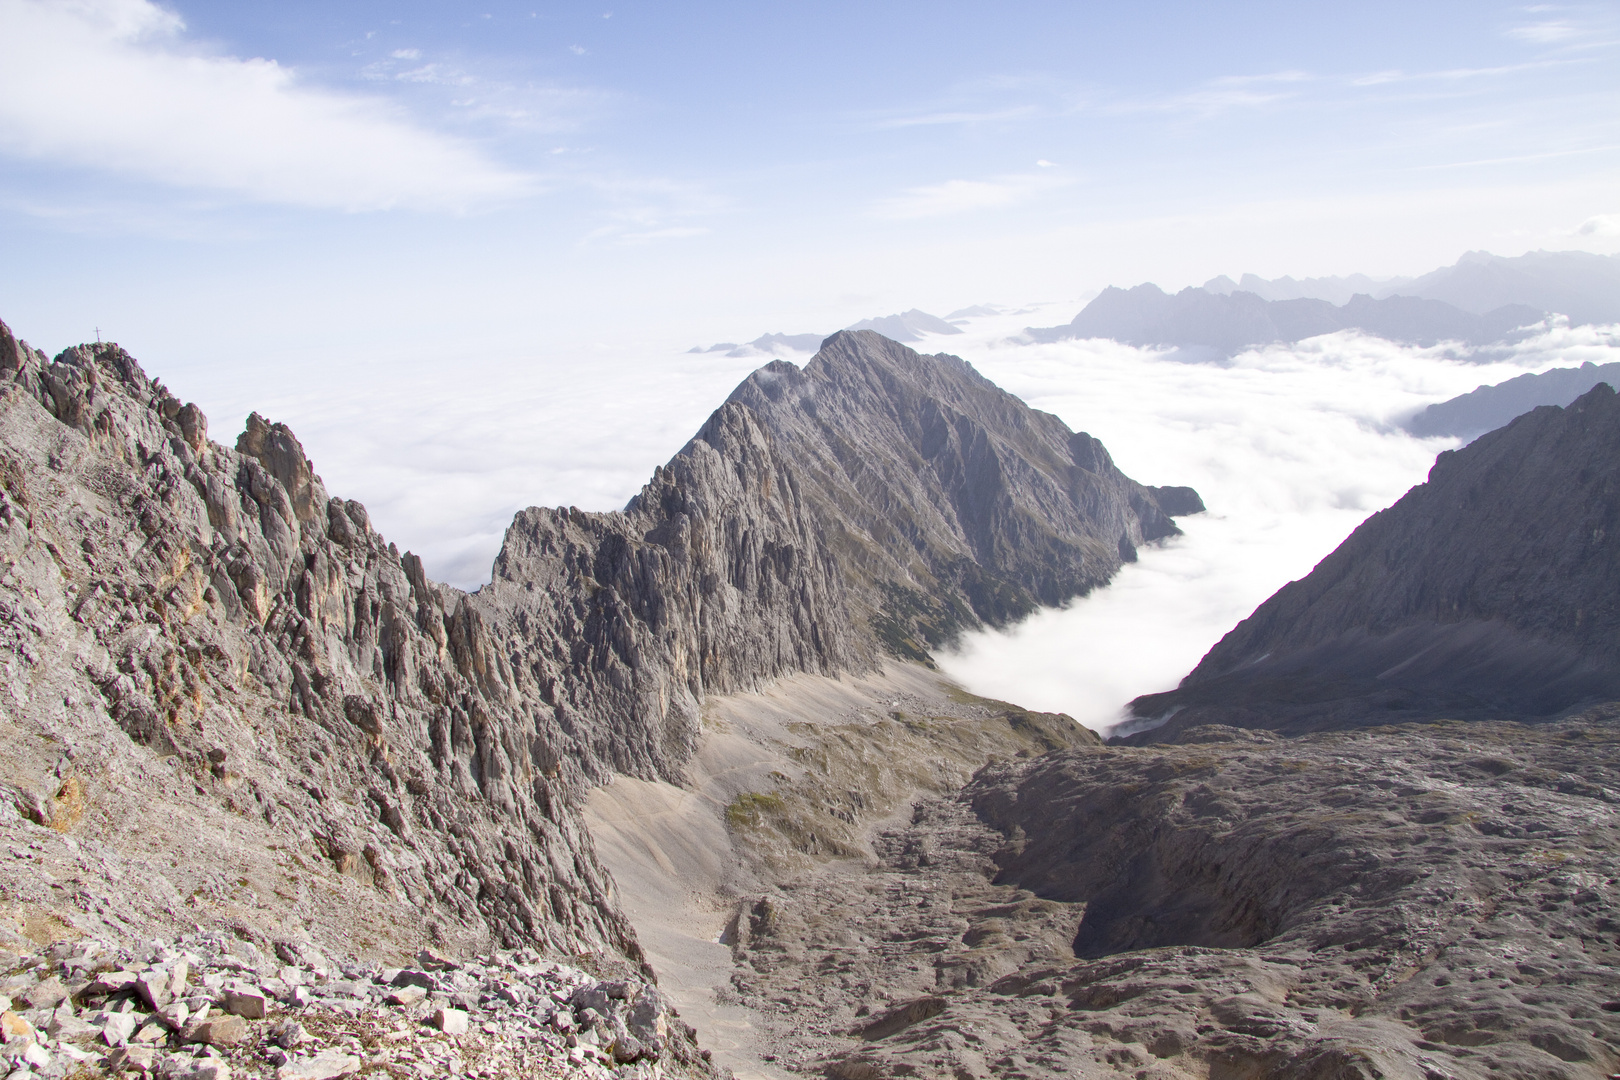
200	633
946	502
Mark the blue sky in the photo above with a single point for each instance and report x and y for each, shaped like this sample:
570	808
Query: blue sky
461	249
321	179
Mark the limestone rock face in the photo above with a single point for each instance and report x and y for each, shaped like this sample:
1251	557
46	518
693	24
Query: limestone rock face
876	500
1490	590
946	502
210	658
204	634
713	579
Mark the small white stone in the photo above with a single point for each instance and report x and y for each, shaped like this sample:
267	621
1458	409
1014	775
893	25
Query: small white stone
450	1021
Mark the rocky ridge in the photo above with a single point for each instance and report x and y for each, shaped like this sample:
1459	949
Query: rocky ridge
945	501
200	633
368	761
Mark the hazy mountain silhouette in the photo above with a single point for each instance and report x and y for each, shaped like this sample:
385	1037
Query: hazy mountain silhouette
1578	284
1335	290
1489	407
907	326
1147	315
766	345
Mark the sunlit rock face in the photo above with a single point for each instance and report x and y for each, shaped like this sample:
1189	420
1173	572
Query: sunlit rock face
418	751
947	502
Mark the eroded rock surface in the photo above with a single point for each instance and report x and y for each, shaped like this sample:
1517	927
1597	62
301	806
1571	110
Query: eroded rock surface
247	706
1423	901
946	502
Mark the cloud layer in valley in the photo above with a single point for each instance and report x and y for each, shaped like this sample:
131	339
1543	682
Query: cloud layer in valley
1291	448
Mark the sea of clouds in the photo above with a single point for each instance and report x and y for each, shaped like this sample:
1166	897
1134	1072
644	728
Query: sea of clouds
1291	448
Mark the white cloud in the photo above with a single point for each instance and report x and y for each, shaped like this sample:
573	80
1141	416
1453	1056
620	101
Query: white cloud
1546	33
958	116
1220	95
113	86
406	54
963	196
1600	225
1291	448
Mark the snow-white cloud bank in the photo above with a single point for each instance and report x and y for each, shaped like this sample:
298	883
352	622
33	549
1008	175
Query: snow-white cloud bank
115	86
1291	448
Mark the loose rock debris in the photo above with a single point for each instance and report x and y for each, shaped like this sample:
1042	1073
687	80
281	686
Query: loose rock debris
210	1007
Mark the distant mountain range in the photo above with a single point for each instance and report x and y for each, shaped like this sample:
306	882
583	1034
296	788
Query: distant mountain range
766	345
1577	284
906	326
1483	298
1335	290
1489	407
1146	315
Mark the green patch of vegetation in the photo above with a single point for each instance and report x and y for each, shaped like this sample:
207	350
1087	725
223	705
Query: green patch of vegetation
748	810
911	624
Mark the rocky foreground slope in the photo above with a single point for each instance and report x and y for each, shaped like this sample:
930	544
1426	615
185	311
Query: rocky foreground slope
1422	901
240	707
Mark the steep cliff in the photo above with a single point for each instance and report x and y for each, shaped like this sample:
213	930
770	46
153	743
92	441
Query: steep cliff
1490	590
877	500
946	502
203	634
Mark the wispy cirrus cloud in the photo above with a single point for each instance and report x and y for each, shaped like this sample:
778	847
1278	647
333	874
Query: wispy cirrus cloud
1554	32
114	86
1380	78
1567	28
953	197
1223	94
651	210
957	116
